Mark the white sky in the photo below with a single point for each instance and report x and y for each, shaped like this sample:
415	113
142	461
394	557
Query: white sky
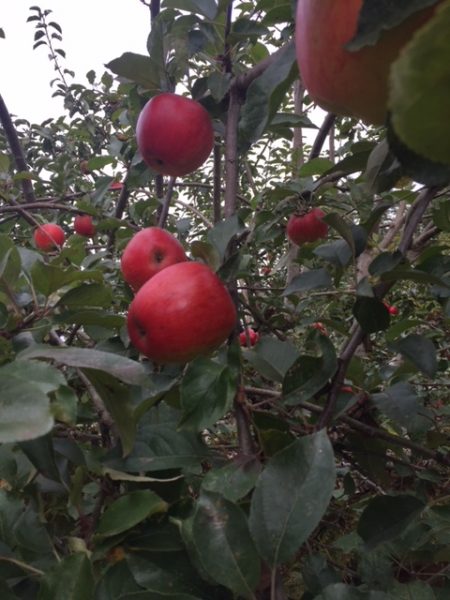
94	32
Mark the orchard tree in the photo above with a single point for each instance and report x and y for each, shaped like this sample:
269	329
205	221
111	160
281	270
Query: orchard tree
301	449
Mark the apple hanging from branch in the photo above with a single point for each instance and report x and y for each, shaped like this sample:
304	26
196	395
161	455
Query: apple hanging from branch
348	82
174	134
148	252
49	236
308	227
183	312
84	225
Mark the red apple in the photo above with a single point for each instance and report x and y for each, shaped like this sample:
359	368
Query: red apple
83	225
49	236
393	310
184	311
320	327
174	134
248	337
116	186
148	252
308	227
344	82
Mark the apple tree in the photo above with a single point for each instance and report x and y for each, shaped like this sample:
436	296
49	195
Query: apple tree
307	457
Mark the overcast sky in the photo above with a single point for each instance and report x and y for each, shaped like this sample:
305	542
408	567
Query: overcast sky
94	32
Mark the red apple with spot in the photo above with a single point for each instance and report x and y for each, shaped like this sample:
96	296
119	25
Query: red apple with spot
84	225
308	227
248	337
340	81
174	134
148	252
183	312
49	236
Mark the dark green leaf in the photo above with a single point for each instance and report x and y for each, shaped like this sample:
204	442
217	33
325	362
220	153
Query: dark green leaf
383	169
137	68
309	373
291	496
129	510
50	278
123	368
87	295
386	261
41	454
342	591
223	232
420	351
224	546
387	517
234	480
71	578
371	314
399	402
207	392
376	17
272	357
315	166
309	280
207	8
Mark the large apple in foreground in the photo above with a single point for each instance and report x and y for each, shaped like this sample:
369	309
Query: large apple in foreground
182	312
308	227
148	252
344	82
49	236
174	134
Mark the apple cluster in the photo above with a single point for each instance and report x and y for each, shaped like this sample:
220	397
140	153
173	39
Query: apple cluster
181	309
51	236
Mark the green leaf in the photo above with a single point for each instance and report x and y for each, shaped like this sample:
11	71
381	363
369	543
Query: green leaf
87	295
315	166
71	579
412	275
123	368
41	454
309	280
24	402
383	169
225	548
376	17
371	314
291	496
116	398
420	351
10	263
234	480
400	403
309	373
223	232
441	213
129	510
207	392
138	68
384	262
387	517
50	278
420	118
272	357
207	8
262	95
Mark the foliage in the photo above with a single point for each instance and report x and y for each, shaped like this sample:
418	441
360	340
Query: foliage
312	465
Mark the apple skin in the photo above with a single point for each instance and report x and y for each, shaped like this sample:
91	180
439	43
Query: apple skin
148	252
184	311
393	310
340	81
307	228
253	337
83	225
174	134
49	236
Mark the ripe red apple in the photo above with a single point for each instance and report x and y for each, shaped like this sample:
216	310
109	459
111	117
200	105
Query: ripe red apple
250	335
184	311
344	82
308	227
174	134
83	225
320	327
393	310
49	236
116	186
148	252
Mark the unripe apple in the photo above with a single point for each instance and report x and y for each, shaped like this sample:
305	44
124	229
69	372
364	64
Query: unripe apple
344	82
174	134
49	236
184	311
148	252
83	225
248	336
308	227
